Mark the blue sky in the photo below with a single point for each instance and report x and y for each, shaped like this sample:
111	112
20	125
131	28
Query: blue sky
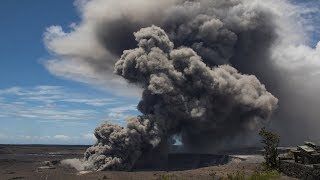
313	17
37	107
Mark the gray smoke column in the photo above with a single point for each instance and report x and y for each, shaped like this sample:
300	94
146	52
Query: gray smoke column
118	148
181	95
239	32
265	38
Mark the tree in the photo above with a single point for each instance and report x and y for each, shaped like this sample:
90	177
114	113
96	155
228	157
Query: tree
271	142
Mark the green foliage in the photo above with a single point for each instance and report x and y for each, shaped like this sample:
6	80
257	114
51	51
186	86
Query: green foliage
168	177
271	142
265	175
258	175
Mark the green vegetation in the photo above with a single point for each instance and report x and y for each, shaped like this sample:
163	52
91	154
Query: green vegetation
167	177
258	175
265	175
271	142
240	175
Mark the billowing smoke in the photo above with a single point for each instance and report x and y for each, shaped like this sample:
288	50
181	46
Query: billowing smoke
191	90
118	148
181	95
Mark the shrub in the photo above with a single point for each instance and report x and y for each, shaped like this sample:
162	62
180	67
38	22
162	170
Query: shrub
265	175
271	142
167	177
258	175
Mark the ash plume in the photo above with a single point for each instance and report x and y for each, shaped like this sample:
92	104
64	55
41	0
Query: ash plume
194	43
263	38
181	95
118	148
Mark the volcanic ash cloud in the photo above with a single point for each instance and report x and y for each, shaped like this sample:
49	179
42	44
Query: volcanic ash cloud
181	95
265	38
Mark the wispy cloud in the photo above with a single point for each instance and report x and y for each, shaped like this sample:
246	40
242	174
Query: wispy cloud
62	137
121	113
122	109
310	11
43	112
47	103
66	115
54	94
89	136
56	139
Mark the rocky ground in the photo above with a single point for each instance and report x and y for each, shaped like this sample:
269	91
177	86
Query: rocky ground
43	163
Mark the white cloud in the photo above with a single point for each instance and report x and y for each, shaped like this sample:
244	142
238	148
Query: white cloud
89	136
299	56
30	111
35	91
73	59
122	109
117	116
310	10
62	137
70	68
58	104
59	138
79	55
92	102
292	52
121	113
53	94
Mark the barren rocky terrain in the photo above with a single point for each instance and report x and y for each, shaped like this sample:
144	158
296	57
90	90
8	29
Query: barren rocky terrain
37	162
